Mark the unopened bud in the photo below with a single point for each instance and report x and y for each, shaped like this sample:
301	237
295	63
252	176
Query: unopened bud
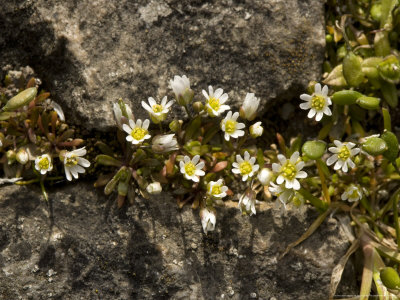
11	156
256	130
198	106
22	156
154	188
265	175
175	125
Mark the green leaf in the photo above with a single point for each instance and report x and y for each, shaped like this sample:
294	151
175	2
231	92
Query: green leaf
107	160
193	127
352	71
20	100
392	144
389	93
368	102
375	146
345	97
314	149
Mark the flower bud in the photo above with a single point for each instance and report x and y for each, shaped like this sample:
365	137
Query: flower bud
247	203
11	156
208	219
181	87
256	130
198	106
249	108
175	125
22	156
154	188
265	175
122	113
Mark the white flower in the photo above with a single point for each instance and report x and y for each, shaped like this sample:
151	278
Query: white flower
343	152
317	103
154	188
57	108
256	130
192	169
249	108
289	170
284	195
182	91
265	176
43	164
215	101
164	143
352	193
208	219
137	132
118	107
245	167
158	112
247	203
74	163
231	127
217	189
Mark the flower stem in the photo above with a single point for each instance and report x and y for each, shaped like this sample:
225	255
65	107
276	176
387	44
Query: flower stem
323	183
396	220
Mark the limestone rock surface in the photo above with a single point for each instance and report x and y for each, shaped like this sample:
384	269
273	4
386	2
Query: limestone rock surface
87	249
90	53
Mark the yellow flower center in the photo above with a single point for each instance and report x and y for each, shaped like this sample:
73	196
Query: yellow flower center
71	161
190	169
289	171
354	193
216	190
138	133
245	168
214	103
157	108
318	102
230	126
344	153
44	163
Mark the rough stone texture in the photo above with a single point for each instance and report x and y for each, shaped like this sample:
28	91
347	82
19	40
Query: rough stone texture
153	250
91	52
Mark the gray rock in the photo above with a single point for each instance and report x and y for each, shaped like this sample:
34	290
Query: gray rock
90	53
87	249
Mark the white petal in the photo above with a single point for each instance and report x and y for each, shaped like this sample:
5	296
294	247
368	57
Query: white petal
218	93
205	94
200	165
319	116
83	162
152	101
350	163
338	143
317	88
345	168
305	97
311	113
301	174
280	179
339	164
355	151
331	160
296	184
239	158
68	174
294	157
327	111
199	173
282	159
289	184
325	90
195	159
276	167
126	128
305	105
235	171
334	149
246	155
146	107
146	124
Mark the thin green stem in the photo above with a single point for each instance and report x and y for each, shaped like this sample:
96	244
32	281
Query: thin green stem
46	197
396	220
323	183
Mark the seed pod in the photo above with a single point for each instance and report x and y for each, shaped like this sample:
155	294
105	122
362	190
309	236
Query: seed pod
392	144
390	278
198	106
368	102
375	146
352	70
21	99
314	149
389	93
389	69
345	97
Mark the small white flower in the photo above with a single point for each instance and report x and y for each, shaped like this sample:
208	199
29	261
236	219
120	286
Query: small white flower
137	132
343	152
318	103
164	143
249	108
118	107
158	112
182	91
284	195
192	169
265	176
352	193
154	188
245	167
289	170
215	101
57	108
217	189
256	130
247	203
43	164
74	163
231	127
208	219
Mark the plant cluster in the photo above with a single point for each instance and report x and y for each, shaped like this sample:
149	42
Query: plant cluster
214	154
